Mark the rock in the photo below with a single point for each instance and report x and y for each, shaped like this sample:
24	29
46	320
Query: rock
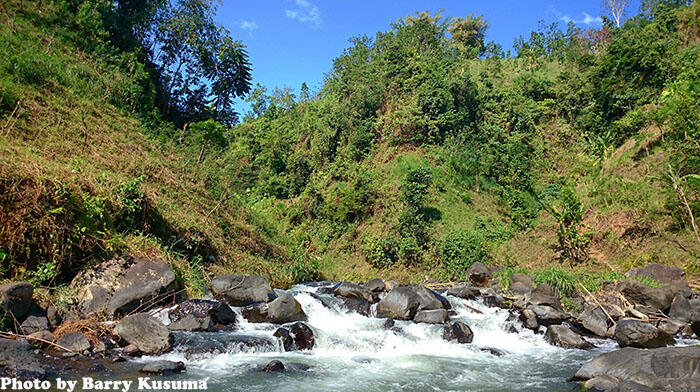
240	290
163	368
479	274
16	298
545	300
521	284
562	336
45	336
661	273
430	300
435	316
633	333
464	292
529	319
74	341
496	301
671	326
200	315
493	351
642	294
17	360
375	286
352	290
53	316
298	336
545	289
401	303
145	332
196	344
122	285
661	369
388	324
35	324
273	366
547	315
680	308
357	305
391	284
594	320
602	383
132	350
285	309
459	332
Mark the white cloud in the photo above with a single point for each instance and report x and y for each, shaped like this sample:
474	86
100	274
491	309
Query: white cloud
248	25
305	12
583	19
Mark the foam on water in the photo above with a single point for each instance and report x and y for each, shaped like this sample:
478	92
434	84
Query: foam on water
356	353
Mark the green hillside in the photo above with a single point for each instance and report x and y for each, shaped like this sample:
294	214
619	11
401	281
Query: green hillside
426	150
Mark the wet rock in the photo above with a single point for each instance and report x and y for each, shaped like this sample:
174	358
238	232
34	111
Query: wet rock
122	285
479	274
16	298
496	301
562	336
273	366
39	339
74	341
529	319
298	336
430	300
145	332
661	369
375	286
388	324
435	316
327	290
521	284
285	309
357	305
352	290
633	333
132	350
163	368
35	324
644	295
241	290
594	320
464	292
547	315
17	360
198	343
400	303
459	332
200	315
493	351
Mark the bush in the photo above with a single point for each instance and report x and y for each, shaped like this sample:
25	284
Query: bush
460	249
381	253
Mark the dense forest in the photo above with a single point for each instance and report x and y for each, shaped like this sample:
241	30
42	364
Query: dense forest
575	157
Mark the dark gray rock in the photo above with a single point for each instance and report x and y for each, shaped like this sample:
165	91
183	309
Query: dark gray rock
201	315
671	326
562	336
400	303
547	315
458	332
594	320
17	360
429	300
659	272
529	319
240	290
680	308
674	369
352	290
435	316
496	301
375	286
35	324
298	336
273	366
54	316
357	305
493	351
642	294
195	344
145	332
545	300
74	341
633	333
163	368
16	298
464	292
285	309
479	274
39	339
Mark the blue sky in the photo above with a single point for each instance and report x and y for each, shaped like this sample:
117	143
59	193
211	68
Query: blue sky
295	41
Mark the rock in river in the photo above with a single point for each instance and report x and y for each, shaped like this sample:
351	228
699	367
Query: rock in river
240	290
17	360
459	332
163	368
633	333
562	336
145	332
401	304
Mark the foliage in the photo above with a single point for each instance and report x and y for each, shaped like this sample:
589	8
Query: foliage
568	211
460	249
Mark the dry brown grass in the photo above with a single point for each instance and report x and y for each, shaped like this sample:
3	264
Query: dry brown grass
94	330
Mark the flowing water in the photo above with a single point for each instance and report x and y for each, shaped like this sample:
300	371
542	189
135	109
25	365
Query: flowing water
356	353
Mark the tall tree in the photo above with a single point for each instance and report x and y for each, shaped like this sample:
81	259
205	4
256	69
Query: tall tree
617	9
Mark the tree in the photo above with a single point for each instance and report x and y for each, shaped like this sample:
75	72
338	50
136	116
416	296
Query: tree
467	34
617	9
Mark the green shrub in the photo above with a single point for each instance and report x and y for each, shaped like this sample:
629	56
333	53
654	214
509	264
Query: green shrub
132	203
460	249
381	253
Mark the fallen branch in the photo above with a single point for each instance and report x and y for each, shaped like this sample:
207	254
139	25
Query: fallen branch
597	302
10	335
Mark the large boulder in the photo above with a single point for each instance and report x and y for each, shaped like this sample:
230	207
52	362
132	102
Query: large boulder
240	290
659	272
357	305
641	294
375	285
284	309
464	292
298	336
123	285
401	303
633	333
547	315
594	320
680	308
479	274
458	332
17	360
435	316
562	336
16	298
200	315
663	369
430	300
352	290
74	341
144	331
